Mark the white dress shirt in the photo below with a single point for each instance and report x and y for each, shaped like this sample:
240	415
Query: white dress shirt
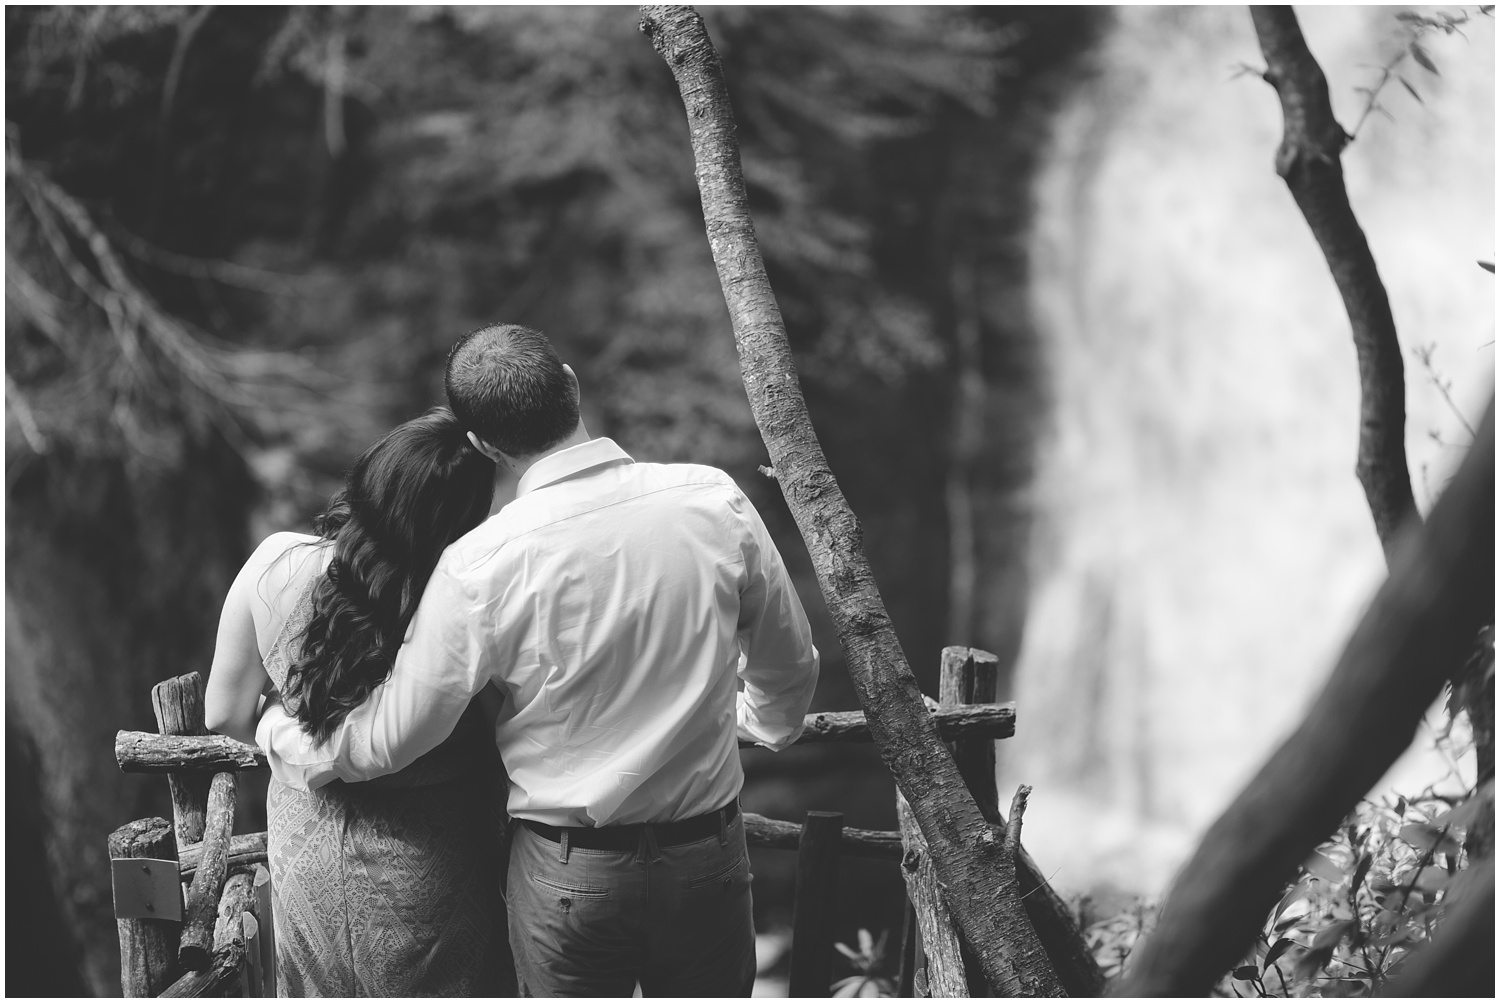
613	604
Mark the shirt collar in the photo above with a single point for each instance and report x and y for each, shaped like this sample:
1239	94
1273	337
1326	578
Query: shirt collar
566	462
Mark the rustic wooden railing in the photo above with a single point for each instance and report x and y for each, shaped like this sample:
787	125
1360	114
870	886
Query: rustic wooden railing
217	937
148	752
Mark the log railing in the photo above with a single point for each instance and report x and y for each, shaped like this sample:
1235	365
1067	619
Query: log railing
217	938
147	752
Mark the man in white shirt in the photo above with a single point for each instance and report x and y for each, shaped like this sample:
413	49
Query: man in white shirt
612	604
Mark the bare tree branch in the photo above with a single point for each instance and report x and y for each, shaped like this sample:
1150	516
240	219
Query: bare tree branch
1308	159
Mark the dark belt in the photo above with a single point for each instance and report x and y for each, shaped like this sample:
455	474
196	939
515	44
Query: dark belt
628	837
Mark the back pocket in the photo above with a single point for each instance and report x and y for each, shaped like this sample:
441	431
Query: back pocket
718	874
567	889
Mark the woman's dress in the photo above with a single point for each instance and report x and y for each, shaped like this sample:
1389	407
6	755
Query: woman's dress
388	887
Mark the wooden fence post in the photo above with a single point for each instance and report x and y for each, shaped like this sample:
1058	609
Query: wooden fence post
178	703
812	908
970	676
932	953
148	947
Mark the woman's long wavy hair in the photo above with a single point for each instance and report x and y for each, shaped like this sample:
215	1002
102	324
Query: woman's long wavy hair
406	498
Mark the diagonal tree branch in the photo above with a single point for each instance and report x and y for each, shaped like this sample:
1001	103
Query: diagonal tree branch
1418	630
1308	160
969	856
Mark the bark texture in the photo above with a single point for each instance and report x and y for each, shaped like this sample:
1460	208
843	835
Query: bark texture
965	852
1415	634
143	752
942	965
1308	160
237	899
224	976
244	850
969	675
178	703
200	910
991	721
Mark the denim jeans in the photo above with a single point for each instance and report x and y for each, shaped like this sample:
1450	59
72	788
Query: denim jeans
594	922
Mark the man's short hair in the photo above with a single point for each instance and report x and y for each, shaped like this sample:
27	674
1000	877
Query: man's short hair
506	384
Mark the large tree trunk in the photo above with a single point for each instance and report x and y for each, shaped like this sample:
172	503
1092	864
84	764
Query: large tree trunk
1417	632
967	852
1308	159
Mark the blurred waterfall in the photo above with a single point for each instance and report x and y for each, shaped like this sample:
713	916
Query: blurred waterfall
1202	547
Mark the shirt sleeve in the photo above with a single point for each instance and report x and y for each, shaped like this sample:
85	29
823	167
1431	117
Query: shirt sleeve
778	661
437	672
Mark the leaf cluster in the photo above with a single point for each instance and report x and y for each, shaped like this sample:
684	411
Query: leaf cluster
1415	26
1361	902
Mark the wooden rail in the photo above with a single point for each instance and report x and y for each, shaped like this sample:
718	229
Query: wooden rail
244	850
146	752
224	944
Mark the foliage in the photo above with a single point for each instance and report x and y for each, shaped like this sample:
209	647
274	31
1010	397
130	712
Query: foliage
1414	27
1110	940
1361	902
868	962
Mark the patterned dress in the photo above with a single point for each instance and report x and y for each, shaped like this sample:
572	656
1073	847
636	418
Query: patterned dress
389	887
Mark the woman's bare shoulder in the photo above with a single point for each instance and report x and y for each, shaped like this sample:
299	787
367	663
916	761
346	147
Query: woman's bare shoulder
282	546
285	558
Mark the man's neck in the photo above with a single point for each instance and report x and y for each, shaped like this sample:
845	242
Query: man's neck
520	464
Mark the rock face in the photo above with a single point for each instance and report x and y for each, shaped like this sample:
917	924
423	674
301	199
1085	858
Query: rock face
1202	546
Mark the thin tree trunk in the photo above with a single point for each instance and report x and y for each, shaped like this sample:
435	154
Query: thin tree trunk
966	851
1415	634
1308	160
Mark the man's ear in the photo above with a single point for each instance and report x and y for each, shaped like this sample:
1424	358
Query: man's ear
484	447
572	380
